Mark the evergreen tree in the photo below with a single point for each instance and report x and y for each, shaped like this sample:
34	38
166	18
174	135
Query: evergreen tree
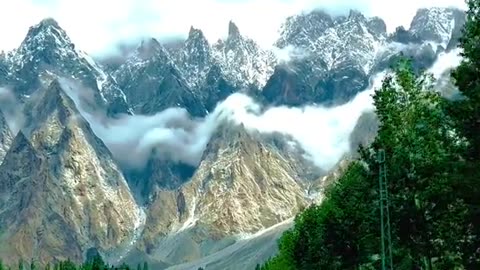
467	79
467	114
430	225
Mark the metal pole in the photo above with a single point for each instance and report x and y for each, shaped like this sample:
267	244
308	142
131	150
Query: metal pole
387	261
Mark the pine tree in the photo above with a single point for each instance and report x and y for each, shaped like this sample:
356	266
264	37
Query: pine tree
467	114
467	79
424	161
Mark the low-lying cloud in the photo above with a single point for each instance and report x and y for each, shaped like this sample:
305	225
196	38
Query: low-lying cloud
323	133
11	109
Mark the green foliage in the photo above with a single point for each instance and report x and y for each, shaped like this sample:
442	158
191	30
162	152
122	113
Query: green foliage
432	186
96	263
467	79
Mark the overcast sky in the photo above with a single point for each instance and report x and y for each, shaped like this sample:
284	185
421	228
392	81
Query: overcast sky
96	25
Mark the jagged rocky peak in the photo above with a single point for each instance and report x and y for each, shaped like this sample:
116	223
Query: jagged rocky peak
6	136
153	82
45	42
47	48
196	56
150	48
52	216
244	63
241	186
89	202
48	108
196	39
437	24
298	29
46	32
22	157
194	32
337	56
233	30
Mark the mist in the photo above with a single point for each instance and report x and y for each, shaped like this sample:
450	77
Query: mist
323	133
11	109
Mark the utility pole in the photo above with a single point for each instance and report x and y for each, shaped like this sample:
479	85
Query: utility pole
387	262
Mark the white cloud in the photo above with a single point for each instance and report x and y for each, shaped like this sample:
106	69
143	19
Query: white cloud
96	25
446	62
323	133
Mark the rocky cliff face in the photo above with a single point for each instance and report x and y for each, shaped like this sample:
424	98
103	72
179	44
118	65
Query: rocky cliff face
62	192
6	137
243	62
338	53
152	82
242	185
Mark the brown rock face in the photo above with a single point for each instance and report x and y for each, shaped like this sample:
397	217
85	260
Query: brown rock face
61	191
242	185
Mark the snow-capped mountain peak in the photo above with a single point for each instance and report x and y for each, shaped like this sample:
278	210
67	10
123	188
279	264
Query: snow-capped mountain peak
47	32
233	30
436	24
242	60
45	42
48	49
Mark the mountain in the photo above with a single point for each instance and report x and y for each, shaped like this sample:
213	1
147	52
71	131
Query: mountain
338	58
48	49
439	25
223	199
61	191
339	54
6	137
62	194
240	60
243	62
196	59
197	75
153	83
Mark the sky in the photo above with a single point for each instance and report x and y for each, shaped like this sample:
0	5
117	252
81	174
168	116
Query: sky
96	26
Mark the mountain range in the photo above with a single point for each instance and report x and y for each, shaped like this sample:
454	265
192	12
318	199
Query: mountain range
64	193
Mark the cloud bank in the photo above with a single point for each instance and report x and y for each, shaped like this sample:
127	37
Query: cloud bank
96	26
323	133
